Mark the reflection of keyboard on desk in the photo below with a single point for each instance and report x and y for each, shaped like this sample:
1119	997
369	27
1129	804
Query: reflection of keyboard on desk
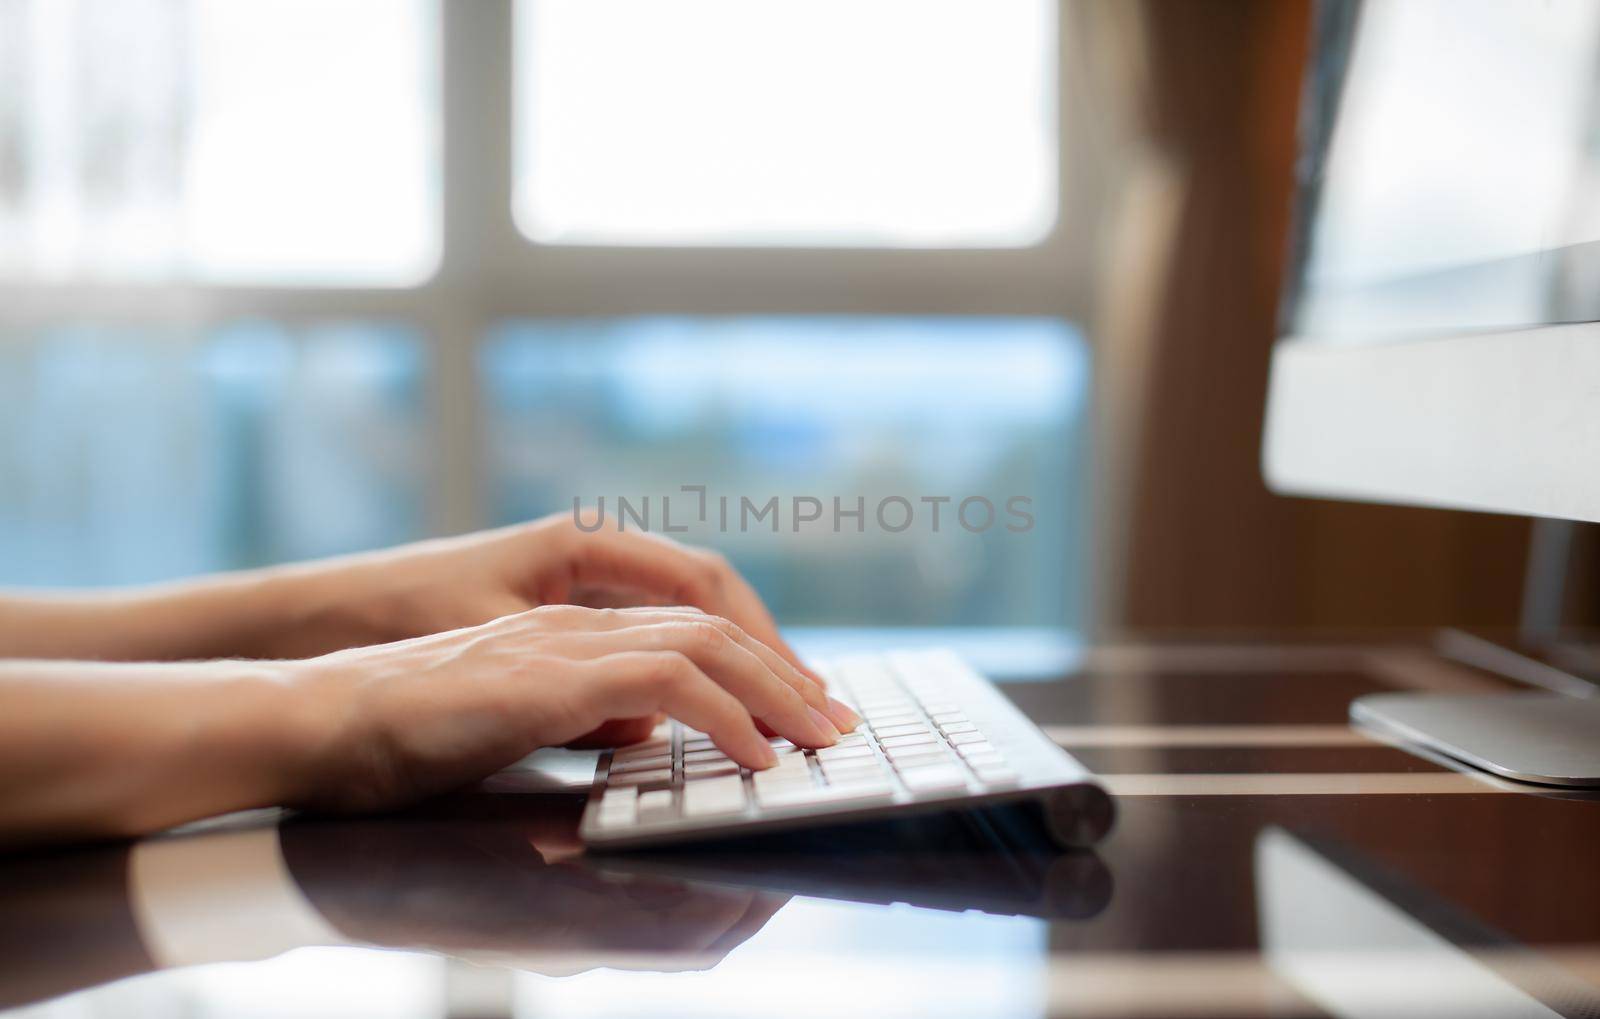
993	859
936	735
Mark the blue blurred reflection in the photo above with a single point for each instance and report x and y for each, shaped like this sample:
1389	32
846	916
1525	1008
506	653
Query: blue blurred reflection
819	406
130	455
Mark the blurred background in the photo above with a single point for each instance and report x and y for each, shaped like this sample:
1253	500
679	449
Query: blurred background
286	280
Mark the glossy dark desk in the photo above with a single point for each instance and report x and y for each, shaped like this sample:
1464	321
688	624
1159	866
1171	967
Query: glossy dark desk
1267	861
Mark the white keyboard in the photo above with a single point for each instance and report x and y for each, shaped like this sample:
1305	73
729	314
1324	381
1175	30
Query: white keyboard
935	735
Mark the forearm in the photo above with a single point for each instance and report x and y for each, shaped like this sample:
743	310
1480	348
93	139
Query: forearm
273	613
90	749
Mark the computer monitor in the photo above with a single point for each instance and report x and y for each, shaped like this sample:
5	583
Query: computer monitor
1438	339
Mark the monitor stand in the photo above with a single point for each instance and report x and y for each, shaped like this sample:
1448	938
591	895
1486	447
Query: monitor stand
1550	735
1550	739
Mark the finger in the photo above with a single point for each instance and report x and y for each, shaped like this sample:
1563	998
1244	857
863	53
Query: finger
633	683
681	574
725	661
838	714
618	732
747	604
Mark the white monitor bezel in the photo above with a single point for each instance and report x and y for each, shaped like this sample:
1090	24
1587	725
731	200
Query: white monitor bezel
1505	422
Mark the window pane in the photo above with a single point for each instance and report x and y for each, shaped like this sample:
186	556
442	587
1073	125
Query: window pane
251	445
895	123
855	409
229	141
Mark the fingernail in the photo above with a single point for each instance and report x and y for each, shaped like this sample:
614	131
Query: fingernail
769	757
826	729
842	716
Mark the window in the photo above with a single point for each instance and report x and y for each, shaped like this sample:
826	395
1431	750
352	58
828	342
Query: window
895	123
219	224
228	141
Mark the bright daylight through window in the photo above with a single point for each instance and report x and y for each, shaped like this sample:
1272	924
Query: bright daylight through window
288	143
895	123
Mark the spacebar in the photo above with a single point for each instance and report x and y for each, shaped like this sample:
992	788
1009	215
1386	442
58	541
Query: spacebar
826	795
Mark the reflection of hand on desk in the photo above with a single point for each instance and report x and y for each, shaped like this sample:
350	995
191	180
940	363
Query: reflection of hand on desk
490	892
484	890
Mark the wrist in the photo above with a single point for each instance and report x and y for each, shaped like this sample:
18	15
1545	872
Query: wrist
192	740
285	725
305	610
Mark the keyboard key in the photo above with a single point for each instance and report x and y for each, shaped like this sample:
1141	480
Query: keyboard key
890	709
997	775
885	689
947	716
640	764
911	745
859	786
829	795
951	728
704	755
906	757
929	779
899	716
701	743
785	772
653	777
862	783
709	769
706	796
909	740
775	777
655	804
850	766
915	763
621	813
904	729
857	776
778	794
961	738
843	752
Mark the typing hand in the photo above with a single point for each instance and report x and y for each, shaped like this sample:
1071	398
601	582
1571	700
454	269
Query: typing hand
441	585
391	723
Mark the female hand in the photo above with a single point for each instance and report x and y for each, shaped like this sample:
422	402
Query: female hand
449	583
420	716
91	749
315	608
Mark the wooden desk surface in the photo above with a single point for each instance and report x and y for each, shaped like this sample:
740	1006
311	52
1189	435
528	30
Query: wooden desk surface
1268	860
